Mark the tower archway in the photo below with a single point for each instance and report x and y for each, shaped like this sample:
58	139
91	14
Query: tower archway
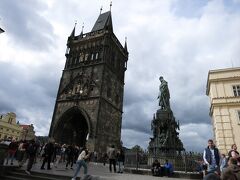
73	127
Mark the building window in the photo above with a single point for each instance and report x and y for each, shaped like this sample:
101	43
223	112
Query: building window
236	90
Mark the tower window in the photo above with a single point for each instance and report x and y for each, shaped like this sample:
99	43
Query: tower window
92	56
236	90
96	57
81	57
86	56
238	116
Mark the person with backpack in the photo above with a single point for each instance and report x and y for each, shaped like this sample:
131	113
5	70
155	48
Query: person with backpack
112	158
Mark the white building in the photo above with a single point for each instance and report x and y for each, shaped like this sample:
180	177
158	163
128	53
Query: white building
223	89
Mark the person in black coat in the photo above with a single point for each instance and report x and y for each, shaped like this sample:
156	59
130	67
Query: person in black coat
31	153
70	156
48	153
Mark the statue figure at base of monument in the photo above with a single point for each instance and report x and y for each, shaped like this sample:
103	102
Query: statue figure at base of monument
164	94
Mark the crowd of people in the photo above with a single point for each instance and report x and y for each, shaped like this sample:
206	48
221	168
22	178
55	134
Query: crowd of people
219	166
51	154
215	165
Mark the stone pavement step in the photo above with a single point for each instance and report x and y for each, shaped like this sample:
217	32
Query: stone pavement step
98	171
21	172
37	176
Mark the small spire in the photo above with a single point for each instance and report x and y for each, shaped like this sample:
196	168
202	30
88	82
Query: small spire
81	34
101	10
110	5
73	31
125	45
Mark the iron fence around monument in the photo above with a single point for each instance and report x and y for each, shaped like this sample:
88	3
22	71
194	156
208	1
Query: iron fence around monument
186	161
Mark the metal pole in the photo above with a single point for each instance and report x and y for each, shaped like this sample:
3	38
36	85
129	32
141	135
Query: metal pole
137	160
185	163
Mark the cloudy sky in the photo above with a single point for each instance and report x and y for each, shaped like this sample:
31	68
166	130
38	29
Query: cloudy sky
178	39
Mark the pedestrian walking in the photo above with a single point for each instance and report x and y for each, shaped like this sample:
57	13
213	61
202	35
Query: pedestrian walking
82	161
70	156
95	157
12	148
57	152
105	158
120	160
112	158
48	153
31	152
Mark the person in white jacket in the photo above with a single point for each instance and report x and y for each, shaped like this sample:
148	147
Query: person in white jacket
81	161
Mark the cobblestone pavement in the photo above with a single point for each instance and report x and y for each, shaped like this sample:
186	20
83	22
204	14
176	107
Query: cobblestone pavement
96	170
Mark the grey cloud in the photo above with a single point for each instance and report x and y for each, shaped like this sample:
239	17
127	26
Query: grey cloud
25	24
195	136
188	8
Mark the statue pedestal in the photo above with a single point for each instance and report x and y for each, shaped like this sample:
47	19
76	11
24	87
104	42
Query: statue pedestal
165	142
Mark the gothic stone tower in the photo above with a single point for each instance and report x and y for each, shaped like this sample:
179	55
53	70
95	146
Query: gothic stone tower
89	103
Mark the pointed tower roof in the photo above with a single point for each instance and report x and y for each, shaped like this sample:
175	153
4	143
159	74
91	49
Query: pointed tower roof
73	31
104	21
125	45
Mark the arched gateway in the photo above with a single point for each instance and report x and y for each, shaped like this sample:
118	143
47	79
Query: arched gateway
90	94
73	127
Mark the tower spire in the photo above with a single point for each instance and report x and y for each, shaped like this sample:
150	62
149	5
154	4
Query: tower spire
125	45
101	10
81	34
110	5
73	31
